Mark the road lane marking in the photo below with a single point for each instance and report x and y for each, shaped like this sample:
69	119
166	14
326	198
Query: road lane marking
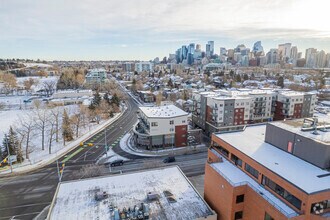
72	155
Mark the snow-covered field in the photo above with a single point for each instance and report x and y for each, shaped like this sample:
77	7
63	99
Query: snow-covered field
37	65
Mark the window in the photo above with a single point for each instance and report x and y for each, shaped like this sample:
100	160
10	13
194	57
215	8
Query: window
171	129
184	121
154	124
183	135
281	192
268	217
184	128
238	215
252	171
236	160
172	122
240	198
221	149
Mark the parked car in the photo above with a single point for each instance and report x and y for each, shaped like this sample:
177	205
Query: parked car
114	163
169	160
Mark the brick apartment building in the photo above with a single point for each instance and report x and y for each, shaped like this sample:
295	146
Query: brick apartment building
161	126
277	171
222	109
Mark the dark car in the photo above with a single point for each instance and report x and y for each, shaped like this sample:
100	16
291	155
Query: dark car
114	163
169	160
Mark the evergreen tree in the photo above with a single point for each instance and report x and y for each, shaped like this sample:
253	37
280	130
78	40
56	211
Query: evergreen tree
4	151
170	83
106	98
134	85
115	100
66	127
96	101
231	73
245	77
238	78
280	82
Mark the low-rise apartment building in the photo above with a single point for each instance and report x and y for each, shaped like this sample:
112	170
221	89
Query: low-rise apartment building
96	76
222	109
267	172
161	126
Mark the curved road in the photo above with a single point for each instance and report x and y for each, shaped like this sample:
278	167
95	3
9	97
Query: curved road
25	196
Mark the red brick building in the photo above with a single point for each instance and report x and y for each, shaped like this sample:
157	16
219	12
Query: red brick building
248	178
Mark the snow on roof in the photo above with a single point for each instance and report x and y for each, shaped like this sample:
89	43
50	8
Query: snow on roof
297	171
237	177
166	111
296	125
75	199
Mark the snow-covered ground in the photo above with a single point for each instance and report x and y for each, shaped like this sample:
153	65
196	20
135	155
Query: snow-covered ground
37	65
14	117
110	157
127	146
39	81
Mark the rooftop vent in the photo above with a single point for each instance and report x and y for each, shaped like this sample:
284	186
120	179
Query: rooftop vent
101	195
152	196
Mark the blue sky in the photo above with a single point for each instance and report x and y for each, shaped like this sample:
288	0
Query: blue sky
144	29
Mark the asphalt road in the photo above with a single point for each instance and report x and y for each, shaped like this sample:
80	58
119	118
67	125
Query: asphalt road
25	196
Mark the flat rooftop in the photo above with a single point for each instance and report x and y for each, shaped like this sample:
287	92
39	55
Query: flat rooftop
76	199
166	111
236	177
296	125
296	171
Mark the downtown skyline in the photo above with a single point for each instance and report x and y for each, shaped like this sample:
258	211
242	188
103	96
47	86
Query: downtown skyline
143	29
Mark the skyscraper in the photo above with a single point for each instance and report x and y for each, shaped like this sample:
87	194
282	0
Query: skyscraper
198	47
284	51
294	53
320	59
190	56
258	50
211	43
310	57
272	56
208	50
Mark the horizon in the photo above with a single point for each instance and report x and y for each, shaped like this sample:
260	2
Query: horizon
114	30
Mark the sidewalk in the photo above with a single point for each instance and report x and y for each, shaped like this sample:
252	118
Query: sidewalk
127	146
52	157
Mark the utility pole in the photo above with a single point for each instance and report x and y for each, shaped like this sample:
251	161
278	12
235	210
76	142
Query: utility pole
105	141
11	165
60	171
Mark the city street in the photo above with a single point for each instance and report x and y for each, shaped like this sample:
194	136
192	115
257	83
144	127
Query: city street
25	196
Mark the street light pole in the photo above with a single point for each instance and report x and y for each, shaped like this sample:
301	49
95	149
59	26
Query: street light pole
105	141
11	166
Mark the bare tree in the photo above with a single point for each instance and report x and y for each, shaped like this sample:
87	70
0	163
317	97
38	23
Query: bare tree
49	87
27	126
76	122
159	98
55	112
83	111
41	122
90	170
29	83
51	132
